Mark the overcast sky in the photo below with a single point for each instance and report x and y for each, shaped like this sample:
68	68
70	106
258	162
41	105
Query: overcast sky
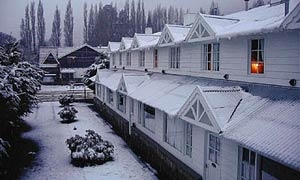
12	11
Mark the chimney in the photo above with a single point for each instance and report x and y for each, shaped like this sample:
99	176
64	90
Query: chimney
246	5
148	30
286	7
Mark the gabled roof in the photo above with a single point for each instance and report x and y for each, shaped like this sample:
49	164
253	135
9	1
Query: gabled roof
173	34
141	41
113	46
78	48
267	18
125	43
130	81
50	59
292	21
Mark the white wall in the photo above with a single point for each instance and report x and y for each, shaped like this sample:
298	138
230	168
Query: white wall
229	159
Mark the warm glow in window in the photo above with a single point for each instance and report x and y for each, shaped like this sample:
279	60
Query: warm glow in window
257	56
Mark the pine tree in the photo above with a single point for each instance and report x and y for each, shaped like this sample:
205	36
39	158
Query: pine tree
56	30
181	16
22	32
28	37
143	23
171	15
68	25
132	18
214	9
149	21
85	24
138	17
91	26
32	18
41	29
127	21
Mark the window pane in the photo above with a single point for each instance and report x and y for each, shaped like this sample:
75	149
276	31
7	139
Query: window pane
260	56
252	158
261	44
211	155
254	44
245	156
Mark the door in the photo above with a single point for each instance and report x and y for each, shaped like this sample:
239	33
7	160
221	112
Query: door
213	171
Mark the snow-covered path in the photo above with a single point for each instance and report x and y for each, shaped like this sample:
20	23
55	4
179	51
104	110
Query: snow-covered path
53	159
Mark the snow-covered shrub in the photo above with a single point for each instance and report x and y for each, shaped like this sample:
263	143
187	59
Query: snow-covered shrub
90	149
19	82
68	113
66	100
101	62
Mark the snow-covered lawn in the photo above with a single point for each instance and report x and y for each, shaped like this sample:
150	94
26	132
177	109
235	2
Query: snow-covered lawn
53	159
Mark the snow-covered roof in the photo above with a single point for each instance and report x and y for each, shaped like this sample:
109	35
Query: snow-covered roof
263	19
63	51
113	46
173	34
125	43
142	41
263	118
67	70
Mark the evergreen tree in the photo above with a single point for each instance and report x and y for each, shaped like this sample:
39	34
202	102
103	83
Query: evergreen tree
41	29
138	17
23	33
68	25
28	37
214	9
85	24
99	28
127	20
171	15
149	21
56	30
132	18
258	3
143	18
32	18
181	16
176	16
91	26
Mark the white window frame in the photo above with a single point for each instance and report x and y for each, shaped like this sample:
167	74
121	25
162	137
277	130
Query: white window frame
246	167
260	61
211	57
214	149
148	119
174	57
141	58
110	96
120	59
128	58
121	108
180	135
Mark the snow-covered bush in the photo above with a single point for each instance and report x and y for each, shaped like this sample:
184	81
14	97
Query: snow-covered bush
66	100
101	62
90	149
68	113
19	82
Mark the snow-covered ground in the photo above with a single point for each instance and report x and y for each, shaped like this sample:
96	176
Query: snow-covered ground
53	159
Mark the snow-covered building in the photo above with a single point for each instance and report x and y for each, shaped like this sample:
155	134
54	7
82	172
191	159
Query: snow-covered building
67	63
223	101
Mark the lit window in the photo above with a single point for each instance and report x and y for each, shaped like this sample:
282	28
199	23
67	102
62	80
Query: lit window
211	57
257	56
175	58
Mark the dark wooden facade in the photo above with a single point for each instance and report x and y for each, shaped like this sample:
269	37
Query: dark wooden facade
81	58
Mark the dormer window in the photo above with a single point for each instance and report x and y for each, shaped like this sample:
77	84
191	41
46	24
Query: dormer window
257	56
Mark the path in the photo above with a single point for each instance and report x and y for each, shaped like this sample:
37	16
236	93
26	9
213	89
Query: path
53	159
